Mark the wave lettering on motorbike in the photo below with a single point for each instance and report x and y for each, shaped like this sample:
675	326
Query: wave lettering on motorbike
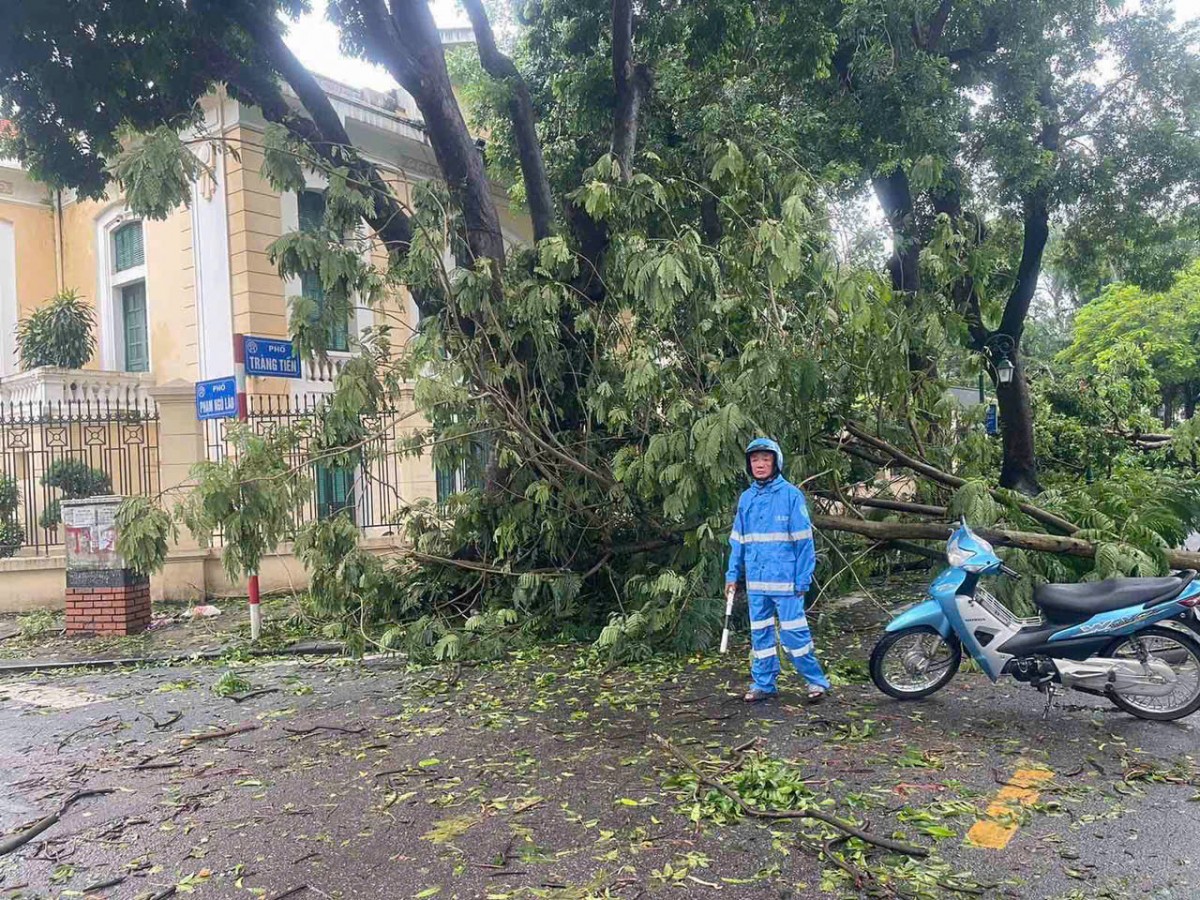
1115	624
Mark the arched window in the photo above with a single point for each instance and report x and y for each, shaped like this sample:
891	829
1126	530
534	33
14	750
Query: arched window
126	258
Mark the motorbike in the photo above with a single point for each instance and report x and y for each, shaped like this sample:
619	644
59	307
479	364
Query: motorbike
1131	640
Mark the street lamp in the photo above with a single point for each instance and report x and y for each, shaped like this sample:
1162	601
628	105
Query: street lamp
999	348
1004	370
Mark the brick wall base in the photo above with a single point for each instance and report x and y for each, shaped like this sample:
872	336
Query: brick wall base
108	610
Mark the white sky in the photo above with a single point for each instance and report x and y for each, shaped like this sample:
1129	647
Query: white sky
315	42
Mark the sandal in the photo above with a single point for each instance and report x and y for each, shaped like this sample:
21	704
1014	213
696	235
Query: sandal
756	695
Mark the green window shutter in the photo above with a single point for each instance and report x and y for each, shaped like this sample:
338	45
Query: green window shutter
135	330
312	213
310	287
312	209
445	483
129	251
479	463
335	491
338	337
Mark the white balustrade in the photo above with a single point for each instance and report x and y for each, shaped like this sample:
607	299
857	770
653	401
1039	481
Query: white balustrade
118	390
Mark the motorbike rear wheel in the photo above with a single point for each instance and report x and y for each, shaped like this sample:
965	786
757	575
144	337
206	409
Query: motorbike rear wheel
914	662
1178	650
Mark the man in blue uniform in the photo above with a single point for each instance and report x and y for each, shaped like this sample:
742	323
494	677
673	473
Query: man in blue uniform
771	546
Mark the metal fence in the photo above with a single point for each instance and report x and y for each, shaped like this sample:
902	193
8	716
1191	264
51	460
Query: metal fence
43	445
370	492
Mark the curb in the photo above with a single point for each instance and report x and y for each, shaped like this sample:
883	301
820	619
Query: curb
44	665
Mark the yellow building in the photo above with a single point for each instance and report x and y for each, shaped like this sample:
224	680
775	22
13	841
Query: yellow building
170	295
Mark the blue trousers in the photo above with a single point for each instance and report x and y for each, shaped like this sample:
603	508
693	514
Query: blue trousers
797	640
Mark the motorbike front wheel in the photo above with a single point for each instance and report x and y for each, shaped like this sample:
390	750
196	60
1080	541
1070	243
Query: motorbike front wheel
1178	650
915	662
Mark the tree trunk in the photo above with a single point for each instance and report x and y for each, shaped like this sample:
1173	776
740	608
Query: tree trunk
904	265
1168	405
1018	471
1024	540
1189	399
405	40
538	196
895	198
630	81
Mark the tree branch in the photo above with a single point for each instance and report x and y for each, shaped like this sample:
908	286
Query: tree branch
937	27
1023	540
1037	230
819	815
895	196
538	196
964	295
408	44
1049	519
630	81
324	132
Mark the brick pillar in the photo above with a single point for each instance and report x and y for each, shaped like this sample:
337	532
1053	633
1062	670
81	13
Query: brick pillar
121	606
181	445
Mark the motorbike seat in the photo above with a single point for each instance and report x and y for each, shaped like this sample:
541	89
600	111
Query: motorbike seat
1076	602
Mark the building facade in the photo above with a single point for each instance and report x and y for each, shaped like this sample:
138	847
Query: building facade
169	295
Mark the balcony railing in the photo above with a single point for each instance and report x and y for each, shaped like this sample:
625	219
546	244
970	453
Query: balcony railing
116	390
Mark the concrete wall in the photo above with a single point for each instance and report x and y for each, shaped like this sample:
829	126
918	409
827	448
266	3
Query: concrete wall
33	233
39	582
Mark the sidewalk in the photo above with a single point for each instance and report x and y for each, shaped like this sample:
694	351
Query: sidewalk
36	641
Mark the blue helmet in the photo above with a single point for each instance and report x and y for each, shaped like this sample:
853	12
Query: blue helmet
762	443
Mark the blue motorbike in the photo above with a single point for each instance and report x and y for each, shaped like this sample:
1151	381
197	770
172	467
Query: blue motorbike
1131	640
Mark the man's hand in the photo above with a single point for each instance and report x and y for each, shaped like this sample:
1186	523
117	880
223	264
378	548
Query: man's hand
730	587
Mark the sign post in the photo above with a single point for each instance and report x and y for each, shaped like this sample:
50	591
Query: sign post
992	421
217	399
240	343
269	358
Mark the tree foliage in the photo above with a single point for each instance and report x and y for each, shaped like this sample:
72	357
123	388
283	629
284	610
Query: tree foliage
1161	330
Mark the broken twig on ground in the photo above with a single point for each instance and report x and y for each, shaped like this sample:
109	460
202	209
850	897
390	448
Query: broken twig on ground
215	735
848	828
20	840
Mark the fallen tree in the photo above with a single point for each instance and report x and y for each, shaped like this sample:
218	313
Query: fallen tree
1023	540
892	452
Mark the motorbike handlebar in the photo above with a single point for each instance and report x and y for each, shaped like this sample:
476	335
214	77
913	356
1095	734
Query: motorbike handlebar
1011	573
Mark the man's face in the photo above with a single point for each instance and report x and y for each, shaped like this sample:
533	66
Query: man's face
762	463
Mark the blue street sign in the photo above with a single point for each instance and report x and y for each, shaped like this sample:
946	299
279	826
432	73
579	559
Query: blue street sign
216	399
271	357
992	423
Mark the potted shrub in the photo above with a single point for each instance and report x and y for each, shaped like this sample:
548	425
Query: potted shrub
58	333
77	481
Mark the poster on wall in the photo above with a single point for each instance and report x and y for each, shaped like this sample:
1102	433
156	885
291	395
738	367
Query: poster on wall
91	534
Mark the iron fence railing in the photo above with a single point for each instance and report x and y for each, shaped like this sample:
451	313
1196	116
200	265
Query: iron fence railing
45	447
370	492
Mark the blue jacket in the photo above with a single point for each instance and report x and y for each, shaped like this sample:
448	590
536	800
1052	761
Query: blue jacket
771	542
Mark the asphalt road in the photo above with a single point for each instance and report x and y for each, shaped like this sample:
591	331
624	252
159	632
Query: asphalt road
539	778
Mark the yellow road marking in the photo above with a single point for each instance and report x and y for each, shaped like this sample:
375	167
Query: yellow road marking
1001	822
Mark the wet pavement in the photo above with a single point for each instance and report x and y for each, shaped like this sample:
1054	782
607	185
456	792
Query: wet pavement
541	778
